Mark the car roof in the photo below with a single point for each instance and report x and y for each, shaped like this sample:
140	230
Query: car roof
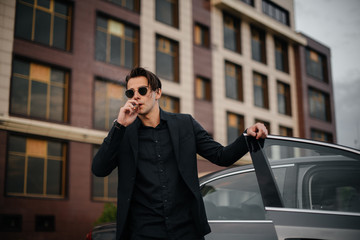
308	159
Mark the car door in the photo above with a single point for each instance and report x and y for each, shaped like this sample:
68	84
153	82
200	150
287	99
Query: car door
310	190
234	207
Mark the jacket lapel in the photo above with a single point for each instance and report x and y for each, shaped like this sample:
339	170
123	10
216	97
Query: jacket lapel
174	132
133	138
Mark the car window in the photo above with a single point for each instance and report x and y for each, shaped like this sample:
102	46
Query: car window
279	174
331	187
317	177
235	197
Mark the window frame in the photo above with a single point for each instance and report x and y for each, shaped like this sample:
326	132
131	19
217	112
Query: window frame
311	63
281	47
105	181
170	48
261	41
287	130
201	35
203	89
174	12
273	10
237	74
234	24
116	28
264	89
239	126
135	9
166	100
53	14
63	159
325	136
313	105
110	91
286	97
49	83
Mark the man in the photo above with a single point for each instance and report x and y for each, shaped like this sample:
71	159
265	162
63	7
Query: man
155	153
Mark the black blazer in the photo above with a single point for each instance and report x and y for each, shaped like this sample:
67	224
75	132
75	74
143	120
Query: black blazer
119	149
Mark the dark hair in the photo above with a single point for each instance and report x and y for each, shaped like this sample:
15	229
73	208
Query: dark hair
153	80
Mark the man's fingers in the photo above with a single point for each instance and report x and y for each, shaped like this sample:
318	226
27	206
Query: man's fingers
258	130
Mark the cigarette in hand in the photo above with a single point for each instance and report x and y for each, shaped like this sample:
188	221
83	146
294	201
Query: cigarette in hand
135	106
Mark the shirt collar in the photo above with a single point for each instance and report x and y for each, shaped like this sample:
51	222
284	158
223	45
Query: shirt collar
163	119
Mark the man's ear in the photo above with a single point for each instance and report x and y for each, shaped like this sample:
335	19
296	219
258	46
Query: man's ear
157	93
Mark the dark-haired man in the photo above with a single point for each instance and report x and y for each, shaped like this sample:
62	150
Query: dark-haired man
155	155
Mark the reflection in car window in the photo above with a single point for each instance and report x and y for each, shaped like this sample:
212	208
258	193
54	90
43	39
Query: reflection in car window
235	197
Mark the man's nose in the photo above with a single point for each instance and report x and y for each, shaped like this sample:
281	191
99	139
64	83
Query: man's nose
136	95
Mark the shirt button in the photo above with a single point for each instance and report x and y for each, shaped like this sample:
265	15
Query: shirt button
159	156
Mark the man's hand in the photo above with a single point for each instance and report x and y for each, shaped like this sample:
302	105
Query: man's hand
128	113
257	130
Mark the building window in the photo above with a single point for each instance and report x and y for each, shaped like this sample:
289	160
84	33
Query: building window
116	43
169	104
235	126
35	167
316	65
46	22
319	105
258	45
10	223
133	5
284	98
232	33
281	55
109	97
167	59
201	35
104	188
285	131
249	2
261	96
321	136
203	88
45	223
167	11
39	91
233	81
276	12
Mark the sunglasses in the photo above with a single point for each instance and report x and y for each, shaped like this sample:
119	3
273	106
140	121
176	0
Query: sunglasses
141	90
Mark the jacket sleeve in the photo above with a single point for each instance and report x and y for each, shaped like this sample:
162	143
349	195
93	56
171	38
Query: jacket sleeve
216	153
105	159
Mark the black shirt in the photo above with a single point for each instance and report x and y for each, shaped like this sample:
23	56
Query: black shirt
160	202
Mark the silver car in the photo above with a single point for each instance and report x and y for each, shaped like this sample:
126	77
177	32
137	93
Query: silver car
295	189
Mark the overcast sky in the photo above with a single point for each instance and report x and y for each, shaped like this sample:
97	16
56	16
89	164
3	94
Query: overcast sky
336	24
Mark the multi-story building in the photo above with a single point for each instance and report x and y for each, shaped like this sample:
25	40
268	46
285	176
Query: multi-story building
229	63
315	92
